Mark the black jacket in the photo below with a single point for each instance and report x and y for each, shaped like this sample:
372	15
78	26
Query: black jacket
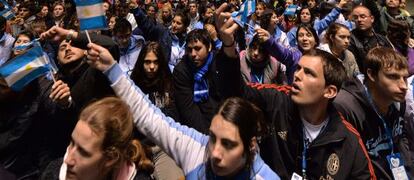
335	153
360	44
353	103
195	115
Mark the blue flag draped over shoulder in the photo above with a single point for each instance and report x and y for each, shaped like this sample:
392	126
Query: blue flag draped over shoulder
6	12
91	14
23	69
246	9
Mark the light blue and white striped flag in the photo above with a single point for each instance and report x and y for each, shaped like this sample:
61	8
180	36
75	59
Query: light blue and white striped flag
246	9
23	69
91	14
7	11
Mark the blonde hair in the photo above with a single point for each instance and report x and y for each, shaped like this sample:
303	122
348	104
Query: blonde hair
111	119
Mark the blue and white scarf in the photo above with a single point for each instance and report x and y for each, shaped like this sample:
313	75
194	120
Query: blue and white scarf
200	82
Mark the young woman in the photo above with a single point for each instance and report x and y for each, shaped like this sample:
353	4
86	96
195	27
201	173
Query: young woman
337	37
307	40
305	16
229	151
102	146
399	35
21	45
270	21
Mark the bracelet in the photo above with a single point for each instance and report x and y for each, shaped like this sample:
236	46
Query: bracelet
69	35
231	45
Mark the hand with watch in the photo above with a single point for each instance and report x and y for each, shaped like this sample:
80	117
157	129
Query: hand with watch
57	33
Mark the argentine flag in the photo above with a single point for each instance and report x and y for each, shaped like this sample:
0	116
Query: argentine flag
246	9
91	14
23	69
6	12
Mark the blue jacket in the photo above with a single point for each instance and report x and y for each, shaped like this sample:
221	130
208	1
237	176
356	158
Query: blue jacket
318	25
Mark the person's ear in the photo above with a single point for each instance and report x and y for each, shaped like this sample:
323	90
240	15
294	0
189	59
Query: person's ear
371	75
111	157
330	91
253	145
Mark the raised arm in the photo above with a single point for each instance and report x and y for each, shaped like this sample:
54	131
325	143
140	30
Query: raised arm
183	144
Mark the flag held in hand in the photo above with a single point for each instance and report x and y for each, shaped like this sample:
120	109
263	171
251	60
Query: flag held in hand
246	9
91	14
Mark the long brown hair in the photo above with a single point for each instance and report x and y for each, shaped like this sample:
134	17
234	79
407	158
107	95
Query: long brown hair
111	119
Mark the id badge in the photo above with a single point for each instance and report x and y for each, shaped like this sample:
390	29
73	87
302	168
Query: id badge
397	166
296	177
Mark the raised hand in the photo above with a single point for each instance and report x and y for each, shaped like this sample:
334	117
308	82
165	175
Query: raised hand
99	57
262	34
227	27
60	93
57	33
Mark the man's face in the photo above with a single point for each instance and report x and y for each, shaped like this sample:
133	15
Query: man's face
177	25
150	64
311	3
151	12
105	6
123	38
255	54
209	13
403	4
362	18
24	12
193	8
85	158
197	52
58	11
226	150
68	53
391	83
308	87
392	3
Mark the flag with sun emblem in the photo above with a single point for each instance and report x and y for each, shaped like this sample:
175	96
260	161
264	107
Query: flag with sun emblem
91	14
23	69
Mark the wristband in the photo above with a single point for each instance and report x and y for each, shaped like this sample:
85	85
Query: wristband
69	35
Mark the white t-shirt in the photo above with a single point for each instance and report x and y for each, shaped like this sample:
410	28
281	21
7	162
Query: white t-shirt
312	131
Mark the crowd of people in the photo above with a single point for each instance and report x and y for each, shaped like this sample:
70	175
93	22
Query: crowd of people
304	89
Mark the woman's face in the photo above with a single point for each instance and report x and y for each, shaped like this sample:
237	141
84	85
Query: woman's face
151	11
226	150
306	40
151	64
209	13
44	11
166	12
177	25
273	21
255	54
305	16
106	6
85	158
112	22
259	10
21	40
341	39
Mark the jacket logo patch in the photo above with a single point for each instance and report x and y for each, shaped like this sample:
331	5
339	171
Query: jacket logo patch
282	134
333	164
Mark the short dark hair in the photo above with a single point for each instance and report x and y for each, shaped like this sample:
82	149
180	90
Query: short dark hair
3	22
201	35
383	57
309	28
333	69
122	26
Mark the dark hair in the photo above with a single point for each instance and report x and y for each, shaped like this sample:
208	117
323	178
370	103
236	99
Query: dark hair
184	19
249	119
384	58
3	22
332	30
333	69
163	81
299	20
399	34
30	6
266	18
201	35
256	44
122	26
308	28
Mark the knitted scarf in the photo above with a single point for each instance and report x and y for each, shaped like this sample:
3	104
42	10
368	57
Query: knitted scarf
200	82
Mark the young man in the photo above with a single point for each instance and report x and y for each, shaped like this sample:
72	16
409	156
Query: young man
130	45
363	37
195	82
307	136
374	104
